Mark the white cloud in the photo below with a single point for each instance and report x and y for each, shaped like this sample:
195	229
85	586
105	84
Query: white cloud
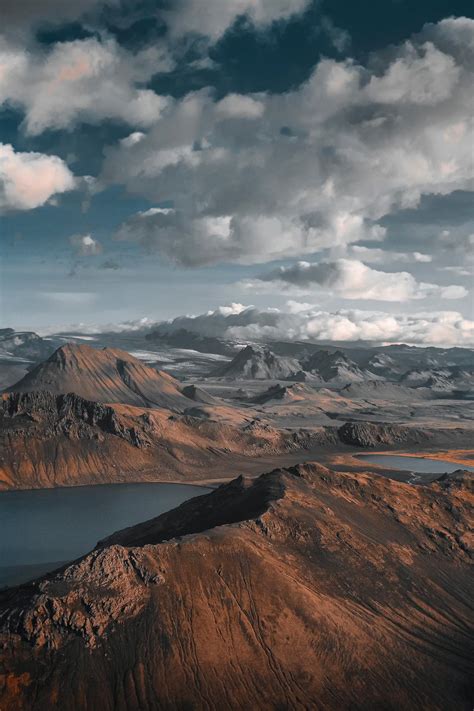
28	180
212	17
376	255
306	322
422	75
83	80
86	245
453	291
352	279
238	106
132	139
459	271
319	167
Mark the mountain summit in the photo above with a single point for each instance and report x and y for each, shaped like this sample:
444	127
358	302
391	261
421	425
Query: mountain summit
259	363
108	375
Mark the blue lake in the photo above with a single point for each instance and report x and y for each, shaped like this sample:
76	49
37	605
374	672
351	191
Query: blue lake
419	465
41	529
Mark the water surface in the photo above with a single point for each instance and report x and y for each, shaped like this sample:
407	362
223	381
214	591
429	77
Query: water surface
422	465
41	529
422	469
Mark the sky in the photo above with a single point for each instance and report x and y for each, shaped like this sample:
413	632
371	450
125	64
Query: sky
280	168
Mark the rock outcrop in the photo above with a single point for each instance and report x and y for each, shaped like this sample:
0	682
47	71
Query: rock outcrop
368	434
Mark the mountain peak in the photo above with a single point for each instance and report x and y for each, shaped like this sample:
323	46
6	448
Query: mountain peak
259	363
103	375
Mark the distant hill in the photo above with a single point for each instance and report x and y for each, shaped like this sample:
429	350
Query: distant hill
445	381
259	363
383	390
108	375
335	367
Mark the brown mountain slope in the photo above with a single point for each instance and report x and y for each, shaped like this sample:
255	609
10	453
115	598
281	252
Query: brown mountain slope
107	375
303	589
49	440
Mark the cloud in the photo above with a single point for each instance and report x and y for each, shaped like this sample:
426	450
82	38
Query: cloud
460	245
213	17
306	322
240	107
375	255
85	245
28	180
84	80
210	19
262	176
70	299
458	270
421	75
25	15
340	38
352	279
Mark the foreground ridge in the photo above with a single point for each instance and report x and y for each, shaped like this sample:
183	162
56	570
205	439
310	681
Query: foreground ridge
304	588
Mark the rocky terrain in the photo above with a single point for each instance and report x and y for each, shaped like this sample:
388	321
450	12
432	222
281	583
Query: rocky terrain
302	589
49	440
88	415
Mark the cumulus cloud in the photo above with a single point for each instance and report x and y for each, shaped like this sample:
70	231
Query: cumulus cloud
306	322
28	180
352	279
84	80
265	176
85	245
421	75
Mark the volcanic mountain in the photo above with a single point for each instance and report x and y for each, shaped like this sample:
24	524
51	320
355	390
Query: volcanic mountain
108	375
302	589
258	363
336	368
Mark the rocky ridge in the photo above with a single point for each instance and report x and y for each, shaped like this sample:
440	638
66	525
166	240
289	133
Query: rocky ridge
302	589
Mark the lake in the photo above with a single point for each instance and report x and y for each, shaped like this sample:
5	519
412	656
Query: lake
41	529
415	465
